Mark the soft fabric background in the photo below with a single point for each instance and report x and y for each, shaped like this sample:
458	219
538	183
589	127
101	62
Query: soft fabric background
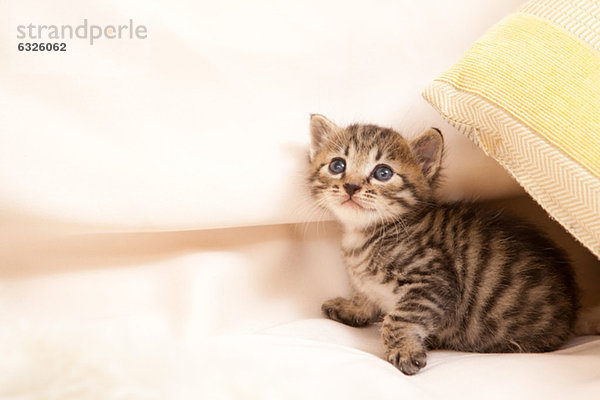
119	161
204	123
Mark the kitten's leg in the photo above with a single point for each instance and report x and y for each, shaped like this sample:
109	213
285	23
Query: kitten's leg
356	311
404	332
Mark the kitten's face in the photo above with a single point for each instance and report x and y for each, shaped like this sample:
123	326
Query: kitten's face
365	174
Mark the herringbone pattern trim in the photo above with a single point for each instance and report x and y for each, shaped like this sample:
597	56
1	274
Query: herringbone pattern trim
566	190
578	17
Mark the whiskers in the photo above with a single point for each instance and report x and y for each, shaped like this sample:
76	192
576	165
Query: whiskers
397	221
312	211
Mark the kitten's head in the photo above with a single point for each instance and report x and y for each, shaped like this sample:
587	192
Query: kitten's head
365	174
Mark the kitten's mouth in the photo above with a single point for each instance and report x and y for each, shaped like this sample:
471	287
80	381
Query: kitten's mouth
352	204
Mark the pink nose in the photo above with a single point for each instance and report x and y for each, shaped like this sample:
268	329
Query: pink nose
351	188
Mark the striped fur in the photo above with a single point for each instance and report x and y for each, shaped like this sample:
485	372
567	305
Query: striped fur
438	276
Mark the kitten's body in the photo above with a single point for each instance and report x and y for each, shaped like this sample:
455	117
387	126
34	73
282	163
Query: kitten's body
440	276
462	266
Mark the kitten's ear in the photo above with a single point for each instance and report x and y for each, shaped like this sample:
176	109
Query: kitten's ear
321	130
427	149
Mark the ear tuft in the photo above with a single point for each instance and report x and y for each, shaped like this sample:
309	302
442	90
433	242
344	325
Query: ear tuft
321	130
427	149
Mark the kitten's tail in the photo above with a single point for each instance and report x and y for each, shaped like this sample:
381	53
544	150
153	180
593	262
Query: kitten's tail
588	321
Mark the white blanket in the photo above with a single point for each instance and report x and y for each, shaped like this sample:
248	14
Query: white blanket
227	314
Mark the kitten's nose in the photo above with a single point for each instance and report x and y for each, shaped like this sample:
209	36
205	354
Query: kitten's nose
351	188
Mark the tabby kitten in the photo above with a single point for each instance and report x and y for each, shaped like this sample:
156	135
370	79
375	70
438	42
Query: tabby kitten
439	276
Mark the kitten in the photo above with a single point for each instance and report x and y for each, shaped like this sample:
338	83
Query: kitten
439	276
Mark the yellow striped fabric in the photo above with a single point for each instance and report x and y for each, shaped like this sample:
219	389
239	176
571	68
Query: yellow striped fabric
528	92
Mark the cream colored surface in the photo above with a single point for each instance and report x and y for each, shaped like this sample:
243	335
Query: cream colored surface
231	314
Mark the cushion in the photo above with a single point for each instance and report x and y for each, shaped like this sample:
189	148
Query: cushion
528	93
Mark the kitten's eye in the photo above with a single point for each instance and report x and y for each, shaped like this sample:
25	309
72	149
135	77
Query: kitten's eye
337	166
383	173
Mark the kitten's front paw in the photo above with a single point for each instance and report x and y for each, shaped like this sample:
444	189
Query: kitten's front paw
409	363
342	310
